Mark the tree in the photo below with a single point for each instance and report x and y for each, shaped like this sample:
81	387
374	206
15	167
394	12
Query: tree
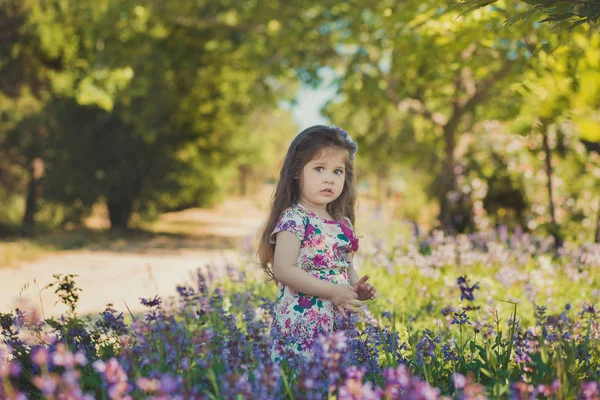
418	58
43	57
149	97
561	93
566	14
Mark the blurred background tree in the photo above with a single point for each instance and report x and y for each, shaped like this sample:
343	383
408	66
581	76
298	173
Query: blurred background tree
150	106
146	114
441	75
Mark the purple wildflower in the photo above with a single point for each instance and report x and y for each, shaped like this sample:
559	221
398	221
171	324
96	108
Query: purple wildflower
460	318
590	391
466	291
151	303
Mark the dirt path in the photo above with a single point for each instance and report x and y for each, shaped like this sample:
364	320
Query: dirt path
123	274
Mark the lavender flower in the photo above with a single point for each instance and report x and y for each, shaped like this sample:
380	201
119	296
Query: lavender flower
155	302
466	291
590	391
460	318
115	378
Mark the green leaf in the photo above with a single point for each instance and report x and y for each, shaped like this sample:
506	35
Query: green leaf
476	6
544	355
589	129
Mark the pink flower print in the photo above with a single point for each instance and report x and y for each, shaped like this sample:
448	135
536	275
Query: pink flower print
315	243
288	323
346	230
289	225
317	317
320	245
350	236
354	243
319	260
285	306
339	252
303	304
310	231
312	315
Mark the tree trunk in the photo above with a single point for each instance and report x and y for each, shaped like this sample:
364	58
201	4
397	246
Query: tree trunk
447	178
119	213
244	175
597	234
33	193
382	190
554	228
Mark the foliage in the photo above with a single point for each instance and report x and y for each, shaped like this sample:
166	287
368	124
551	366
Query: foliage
560	15
150	106
413	78
144	116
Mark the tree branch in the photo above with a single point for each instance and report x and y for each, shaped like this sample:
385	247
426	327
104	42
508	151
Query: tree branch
414	105
486	85
211	22
418	107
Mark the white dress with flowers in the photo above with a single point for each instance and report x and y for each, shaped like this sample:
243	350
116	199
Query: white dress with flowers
324	245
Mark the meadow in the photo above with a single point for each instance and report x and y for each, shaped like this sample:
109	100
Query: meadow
487	315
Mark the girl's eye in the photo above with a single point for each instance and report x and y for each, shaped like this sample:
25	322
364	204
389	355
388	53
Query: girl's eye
319	169
339	171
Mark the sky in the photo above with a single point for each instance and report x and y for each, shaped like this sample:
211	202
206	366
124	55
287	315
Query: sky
306	111
309	101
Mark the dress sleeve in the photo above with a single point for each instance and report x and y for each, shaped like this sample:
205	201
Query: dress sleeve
348	230
291	220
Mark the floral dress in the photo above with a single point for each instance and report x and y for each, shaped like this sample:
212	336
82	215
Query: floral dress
299	318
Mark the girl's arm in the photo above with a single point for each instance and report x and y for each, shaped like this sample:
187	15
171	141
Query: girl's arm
352	275
287	272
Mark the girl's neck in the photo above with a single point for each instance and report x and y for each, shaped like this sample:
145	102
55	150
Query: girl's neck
319	209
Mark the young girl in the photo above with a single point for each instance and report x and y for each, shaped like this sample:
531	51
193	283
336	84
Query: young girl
308	241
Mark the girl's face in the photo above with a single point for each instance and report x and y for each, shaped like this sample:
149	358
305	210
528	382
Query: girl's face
322	178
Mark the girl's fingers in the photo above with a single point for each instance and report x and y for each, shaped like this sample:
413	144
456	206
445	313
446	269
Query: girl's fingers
348	308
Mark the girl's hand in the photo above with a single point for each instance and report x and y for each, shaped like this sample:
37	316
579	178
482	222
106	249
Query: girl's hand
364	290
344	297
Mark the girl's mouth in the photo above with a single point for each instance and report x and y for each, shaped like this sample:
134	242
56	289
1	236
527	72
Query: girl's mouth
327	191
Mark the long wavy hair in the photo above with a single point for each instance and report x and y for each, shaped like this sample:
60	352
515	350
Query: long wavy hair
306	146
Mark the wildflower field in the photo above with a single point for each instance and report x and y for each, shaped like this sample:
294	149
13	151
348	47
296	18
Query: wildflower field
482	316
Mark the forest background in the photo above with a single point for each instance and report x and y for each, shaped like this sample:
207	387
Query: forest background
464	121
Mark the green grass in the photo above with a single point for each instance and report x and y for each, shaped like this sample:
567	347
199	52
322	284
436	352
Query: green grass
14	252
22	247
19	245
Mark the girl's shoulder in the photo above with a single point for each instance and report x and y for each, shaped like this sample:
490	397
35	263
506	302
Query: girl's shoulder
292	219
294	211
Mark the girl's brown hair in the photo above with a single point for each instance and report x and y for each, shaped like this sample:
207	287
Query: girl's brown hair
305	146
